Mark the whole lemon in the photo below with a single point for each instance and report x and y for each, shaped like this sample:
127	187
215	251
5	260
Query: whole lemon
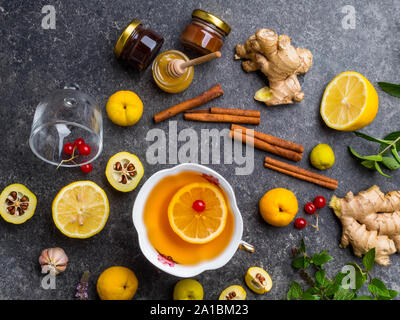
322	157
278	207
124	108
117	283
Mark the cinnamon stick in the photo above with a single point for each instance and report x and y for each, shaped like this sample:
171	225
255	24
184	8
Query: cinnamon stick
263	145
301	173
236	112
208	117
205	97
272	140
198	111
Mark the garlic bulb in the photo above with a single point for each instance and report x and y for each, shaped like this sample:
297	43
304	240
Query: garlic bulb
53	260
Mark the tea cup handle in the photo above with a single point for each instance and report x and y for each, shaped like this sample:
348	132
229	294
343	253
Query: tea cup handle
243	245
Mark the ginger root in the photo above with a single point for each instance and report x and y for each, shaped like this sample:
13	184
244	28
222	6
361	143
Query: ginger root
281	62
370	220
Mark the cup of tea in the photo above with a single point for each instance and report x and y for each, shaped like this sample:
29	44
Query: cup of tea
159	243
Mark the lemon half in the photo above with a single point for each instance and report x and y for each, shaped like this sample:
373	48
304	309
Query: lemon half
80	210
349	103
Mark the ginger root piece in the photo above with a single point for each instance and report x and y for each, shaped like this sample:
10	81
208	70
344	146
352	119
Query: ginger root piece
281	62
370	220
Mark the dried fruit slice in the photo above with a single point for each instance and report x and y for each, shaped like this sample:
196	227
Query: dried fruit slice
258	280
80	210
188	222
124	171
233	293
17	203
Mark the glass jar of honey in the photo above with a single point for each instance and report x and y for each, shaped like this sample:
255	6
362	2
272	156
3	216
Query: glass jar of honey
138	46
206	32
164	80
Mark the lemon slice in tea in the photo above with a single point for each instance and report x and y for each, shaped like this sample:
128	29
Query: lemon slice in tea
197	212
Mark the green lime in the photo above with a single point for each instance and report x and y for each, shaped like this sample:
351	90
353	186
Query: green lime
322	157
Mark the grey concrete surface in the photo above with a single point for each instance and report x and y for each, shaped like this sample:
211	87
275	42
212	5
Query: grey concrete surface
34	62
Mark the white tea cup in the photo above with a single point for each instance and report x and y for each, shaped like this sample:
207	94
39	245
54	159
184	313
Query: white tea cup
162	262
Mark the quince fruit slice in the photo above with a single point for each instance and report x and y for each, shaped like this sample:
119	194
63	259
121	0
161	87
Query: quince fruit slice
17	203
258	280
233	293
124	171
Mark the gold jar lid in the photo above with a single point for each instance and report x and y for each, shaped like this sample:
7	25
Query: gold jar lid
219	23
123	38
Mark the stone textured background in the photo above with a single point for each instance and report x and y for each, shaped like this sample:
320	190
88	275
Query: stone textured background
34	62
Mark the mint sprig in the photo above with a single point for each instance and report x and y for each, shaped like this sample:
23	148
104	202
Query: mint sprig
390	88
388	154
321	287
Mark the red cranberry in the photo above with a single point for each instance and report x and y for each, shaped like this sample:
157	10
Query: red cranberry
320	202
79	142
199	206
86	168
84	149
68	148
310	208
300	223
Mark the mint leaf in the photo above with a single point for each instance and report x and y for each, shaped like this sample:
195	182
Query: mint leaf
301	263
363	298
320	277
295	291
331	289
302	248
378	168
321	259
393	294
368	164
393	136
311	294
369	138
378	288
357	155
361	276
390	88
390	137
369	259
343	294
390	163
395	153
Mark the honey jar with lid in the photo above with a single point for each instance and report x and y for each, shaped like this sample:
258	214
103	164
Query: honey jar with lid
162	77
206	32
138	46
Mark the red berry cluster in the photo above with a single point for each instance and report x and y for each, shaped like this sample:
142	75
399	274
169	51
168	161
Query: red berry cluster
310	208
83	148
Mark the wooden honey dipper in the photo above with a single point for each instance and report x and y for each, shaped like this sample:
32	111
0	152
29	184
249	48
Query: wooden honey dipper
176	67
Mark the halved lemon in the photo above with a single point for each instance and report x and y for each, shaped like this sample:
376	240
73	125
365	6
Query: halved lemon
80	210
349	103
197	212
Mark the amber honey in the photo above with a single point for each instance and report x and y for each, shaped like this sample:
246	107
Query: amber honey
165	81
160	233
